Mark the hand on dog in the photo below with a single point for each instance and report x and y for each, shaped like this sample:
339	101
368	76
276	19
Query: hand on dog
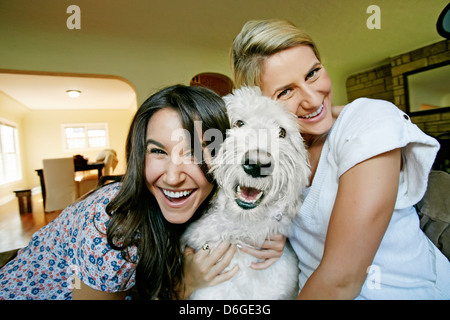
271	250
204	268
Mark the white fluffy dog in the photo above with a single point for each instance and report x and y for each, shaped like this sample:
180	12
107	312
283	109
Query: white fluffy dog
261	169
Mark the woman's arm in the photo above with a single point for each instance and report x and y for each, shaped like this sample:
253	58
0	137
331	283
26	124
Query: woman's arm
84	292
363	208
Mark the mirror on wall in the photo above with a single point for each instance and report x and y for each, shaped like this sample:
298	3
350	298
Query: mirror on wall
443	23
428	89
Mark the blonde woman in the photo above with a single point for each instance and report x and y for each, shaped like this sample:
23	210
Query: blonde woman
357	234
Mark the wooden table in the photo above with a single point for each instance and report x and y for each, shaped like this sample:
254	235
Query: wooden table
84	167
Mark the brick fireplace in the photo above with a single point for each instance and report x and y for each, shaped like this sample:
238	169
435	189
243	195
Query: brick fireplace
387	82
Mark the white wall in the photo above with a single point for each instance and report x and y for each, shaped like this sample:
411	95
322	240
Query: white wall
15	112
45	141
41	136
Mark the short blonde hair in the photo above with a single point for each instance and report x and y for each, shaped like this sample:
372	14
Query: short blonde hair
258	40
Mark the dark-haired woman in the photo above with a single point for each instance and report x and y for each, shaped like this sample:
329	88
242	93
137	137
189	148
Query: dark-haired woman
124	237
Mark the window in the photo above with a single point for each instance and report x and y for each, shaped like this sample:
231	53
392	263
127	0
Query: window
10	169
85	136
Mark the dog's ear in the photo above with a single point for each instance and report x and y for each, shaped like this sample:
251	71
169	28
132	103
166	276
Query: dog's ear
243	92
228	98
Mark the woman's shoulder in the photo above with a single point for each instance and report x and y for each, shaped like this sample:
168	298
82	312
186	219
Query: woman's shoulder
364	118
108	191
371	109
369	127
99	199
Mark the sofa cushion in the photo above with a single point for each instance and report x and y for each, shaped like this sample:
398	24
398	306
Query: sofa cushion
434	211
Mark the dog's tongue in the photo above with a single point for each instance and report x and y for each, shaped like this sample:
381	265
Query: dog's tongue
249	193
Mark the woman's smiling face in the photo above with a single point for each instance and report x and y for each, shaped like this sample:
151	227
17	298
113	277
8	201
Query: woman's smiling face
296	77
172	175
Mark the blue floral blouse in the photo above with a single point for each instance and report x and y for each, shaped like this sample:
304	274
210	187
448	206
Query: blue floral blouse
73	243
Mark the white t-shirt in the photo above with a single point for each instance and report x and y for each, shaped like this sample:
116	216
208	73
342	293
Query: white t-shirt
407	265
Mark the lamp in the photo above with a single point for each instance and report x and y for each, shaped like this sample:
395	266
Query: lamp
73	93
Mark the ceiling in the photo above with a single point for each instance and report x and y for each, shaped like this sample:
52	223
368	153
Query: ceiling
49	91
134	31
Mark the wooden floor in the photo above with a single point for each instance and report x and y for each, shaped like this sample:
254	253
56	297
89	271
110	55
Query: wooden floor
16	229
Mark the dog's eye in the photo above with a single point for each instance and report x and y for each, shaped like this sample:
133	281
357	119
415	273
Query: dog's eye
282	133
238	123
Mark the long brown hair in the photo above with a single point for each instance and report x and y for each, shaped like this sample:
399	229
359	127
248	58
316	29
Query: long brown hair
136	219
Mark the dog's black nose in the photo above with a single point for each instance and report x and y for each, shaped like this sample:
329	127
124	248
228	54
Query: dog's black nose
257	164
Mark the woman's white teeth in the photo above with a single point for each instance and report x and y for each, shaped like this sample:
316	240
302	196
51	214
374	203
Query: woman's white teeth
312	115
179	194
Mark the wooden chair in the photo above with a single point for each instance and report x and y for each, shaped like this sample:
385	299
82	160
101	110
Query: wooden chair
89	182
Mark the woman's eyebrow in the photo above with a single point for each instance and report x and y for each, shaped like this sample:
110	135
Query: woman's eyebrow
156	143
282	88
313	67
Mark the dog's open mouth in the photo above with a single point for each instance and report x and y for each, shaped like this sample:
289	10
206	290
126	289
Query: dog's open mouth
248	197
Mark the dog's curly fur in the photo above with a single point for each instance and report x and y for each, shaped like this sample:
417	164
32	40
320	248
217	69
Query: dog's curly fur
265	152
